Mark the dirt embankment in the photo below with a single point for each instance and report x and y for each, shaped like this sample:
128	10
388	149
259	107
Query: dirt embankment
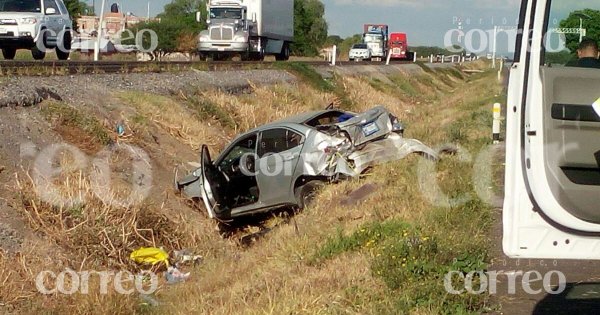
56	211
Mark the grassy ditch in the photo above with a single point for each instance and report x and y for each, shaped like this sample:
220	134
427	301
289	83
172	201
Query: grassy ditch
387	254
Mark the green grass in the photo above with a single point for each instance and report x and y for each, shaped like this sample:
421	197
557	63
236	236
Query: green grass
206	109
424	67
70	116
310	76
411	257
405	85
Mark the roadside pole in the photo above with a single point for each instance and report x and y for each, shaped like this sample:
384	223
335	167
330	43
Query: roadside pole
494	47
97	45
496	123
333	55
389	57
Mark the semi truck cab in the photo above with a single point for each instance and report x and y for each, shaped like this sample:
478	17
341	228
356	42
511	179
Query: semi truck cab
375	36
228	28
249	28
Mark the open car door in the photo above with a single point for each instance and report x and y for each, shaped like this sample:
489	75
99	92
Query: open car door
214	186
552	187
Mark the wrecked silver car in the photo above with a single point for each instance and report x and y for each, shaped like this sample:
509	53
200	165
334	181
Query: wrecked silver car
280	164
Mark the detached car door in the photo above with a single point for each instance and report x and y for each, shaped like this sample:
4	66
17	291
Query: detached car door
552	189
278	152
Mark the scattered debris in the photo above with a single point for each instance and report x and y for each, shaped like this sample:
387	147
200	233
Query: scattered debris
2	168
149	300
185	256
150	255
174	275
359	194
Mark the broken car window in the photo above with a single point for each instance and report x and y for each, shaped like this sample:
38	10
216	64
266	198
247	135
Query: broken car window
278	140
243	146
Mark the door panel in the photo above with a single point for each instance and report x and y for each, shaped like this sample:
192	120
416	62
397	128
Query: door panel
279	152
212	188
572	138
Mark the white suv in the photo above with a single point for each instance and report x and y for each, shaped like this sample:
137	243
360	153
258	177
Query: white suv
36	25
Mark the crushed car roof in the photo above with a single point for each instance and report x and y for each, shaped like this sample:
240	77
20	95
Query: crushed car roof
300	118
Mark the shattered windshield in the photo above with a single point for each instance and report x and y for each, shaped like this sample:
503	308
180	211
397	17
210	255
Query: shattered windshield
20	6
226	13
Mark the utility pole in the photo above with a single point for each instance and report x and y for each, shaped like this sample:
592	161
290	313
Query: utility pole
580	29
148	16
97	48
494	47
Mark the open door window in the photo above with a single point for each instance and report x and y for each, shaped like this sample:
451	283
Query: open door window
214	185
552	199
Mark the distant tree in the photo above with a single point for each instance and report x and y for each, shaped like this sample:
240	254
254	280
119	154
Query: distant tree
177	28
333	40
561	57
346	44
187	42
168	32
76	8
310	27
591	24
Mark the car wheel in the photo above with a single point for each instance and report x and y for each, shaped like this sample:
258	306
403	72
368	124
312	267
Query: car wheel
306	193
64	48
285	53
37	52
9	53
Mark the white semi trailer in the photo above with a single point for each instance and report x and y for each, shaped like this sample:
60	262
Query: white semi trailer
249	28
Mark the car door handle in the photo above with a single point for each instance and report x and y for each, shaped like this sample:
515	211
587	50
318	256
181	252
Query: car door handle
290	157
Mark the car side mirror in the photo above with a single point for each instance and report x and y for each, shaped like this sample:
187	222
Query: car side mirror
50	11
198	16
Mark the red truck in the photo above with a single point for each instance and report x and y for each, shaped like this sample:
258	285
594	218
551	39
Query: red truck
398	47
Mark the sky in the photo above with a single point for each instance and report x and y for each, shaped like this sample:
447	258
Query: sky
425	21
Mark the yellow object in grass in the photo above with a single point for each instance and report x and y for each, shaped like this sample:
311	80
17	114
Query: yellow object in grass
149	255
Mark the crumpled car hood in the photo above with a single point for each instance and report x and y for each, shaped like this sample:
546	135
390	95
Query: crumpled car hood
344	149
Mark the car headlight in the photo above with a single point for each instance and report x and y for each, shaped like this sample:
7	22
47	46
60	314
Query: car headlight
204	38
241	39
28	20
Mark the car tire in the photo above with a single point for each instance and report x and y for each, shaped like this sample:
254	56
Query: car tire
9	53
306	193
63	54
285	53
36	52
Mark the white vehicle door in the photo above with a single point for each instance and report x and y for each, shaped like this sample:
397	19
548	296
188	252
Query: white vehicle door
552	187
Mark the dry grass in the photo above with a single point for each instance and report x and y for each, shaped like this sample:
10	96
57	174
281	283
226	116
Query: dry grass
174	119
279	273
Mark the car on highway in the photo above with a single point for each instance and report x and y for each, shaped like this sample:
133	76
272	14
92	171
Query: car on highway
359	52
282	163
36	25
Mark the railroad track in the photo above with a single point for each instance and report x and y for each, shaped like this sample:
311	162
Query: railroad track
11	67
